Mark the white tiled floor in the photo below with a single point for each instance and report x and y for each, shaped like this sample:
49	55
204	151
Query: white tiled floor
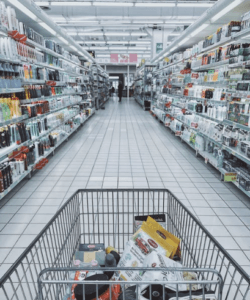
124	147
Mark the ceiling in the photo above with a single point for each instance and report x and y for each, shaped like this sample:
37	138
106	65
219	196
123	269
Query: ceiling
119	26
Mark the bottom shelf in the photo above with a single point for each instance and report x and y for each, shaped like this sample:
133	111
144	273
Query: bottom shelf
31	168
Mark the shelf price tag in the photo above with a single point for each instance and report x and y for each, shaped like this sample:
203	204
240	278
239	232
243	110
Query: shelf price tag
230	177
206	160
178	133
167	124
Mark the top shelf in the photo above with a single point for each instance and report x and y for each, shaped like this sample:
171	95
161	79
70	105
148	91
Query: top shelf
49	51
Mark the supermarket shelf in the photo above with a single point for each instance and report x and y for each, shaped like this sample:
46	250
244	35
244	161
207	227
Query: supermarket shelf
211	66
14	120
172	64
240	64
195	98
25	101
31	168
210	158
49	51
188	142
199	114
6	151
11	90
234	124
33	81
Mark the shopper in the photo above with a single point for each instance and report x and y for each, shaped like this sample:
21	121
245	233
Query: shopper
120	89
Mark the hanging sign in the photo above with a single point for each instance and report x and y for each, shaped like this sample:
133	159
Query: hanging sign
159	47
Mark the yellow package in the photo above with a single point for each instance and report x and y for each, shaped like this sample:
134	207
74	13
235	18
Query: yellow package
156	241
164	235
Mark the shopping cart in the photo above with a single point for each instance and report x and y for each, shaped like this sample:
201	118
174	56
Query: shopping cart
107	216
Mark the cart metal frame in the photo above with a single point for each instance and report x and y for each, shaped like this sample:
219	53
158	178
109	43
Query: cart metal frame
106	216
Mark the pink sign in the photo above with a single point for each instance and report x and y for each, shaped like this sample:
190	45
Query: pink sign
123	58
114	58
133	58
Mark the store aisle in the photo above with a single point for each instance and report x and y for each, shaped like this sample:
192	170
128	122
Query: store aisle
124	147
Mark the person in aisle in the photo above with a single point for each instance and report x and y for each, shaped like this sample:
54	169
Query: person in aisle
120	89
113	90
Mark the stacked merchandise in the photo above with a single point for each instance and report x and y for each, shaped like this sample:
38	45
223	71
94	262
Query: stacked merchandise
100	86
204	98
42	88
144	86
151	247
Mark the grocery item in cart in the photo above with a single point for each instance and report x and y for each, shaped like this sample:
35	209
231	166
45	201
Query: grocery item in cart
103	289
156	260
160	218
157	292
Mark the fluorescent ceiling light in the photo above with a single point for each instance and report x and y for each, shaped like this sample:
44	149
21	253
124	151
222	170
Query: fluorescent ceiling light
63	40
117	33
174	48
86	33
23	9
139	34
97	3
226	10
118	48
175	33
79	21
154	4
39	3
73	48
103	55
70	3
184	41
203	26
179	22
47	27
195	4
147	22
90	42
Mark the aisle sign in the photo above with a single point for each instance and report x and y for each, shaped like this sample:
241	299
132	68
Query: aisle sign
230	177
123	58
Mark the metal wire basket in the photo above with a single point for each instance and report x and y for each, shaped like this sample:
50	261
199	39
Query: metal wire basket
107	216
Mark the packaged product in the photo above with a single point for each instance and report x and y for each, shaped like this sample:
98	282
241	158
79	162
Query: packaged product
160	218
165	236
156	260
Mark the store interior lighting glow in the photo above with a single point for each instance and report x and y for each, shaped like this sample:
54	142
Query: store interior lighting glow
195	4
203	26
111	3
174	48
47	27
40	3
63	40
149	22
226	10
117	33
175	33
73	48
70	3
23	9
155	4
184	41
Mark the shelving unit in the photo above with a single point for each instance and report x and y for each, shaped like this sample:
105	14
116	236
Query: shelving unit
144	85
31	168
177	81
73	88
